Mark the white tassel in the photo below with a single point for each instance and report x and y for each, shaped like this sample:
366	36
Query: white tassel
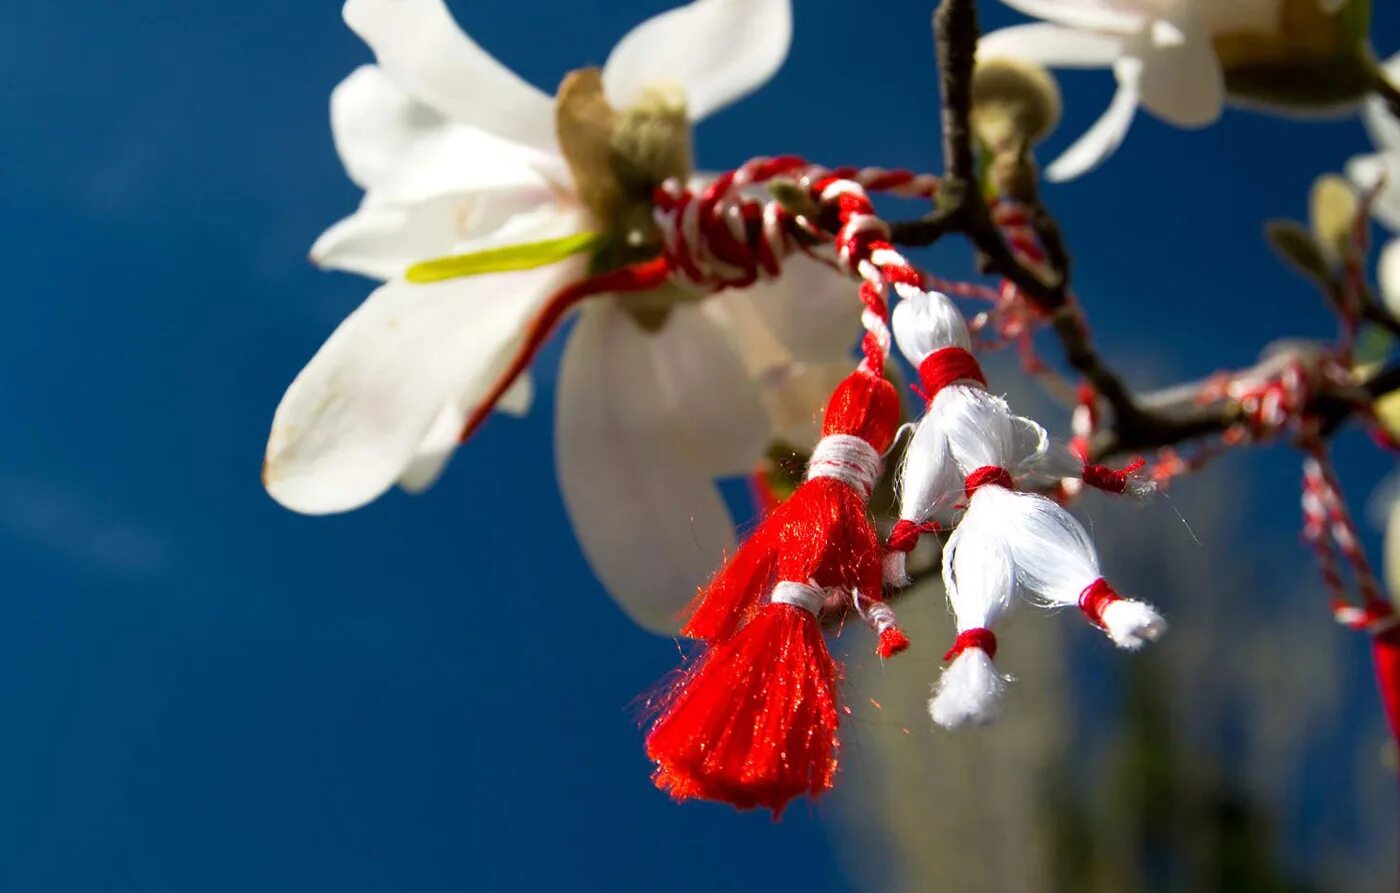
969	692
979	578
927	321
924	488
1132	624
1056	562
895	569
970	440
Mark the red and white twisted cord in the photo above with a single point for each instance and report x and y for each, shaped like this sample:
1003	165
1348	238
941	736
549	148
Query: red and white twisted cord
1329	529
1014	221
717	236
1014	317
720	237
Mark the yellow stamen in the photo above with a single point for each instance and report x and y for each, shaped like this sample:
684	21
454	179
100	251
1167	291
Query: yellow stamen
526	256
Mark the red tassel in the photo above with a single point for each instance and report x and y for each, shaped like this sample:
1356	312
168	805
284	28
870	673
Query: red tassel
864	405
1385	653
1377	618
892	641
754	724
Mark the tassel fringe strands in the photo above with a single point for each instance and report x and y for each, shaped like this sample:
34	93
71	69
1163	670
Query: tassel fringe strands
753	723
753	720
970	452
715	238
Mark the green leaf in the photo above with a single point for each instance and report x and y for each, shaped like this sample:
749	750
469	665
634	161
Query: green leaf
525	256
1298	246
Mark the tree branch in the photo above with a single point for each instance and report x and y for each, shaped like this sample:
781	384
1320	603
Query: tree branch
1138	422
962	209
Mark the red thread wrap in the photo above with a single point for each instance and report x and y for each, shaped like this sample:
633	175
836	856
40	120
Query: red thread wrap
904	536
1097	596
1109	479
946	366
978	637
994	475
754	722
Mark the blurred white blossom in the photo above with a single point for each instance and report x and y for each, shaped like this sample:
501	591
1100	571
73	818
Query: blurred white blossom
656	399
1179	59
1382	169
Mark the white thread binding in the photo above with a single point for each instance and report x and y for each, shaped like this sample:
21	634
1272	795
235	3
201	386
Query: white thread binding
878	615
800	595
847	458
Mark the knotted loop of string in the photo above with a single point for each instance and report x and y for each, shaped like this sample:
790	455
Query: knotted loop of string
905	534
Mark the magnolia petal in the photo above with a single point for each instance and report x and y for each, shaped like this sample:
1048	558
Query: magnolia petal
1381	124
445	436
1052	45
760	349
354	419
1102	139
796	396
382	240
1093	15
1181	80
1388	276
708	392
649	520
1368	170
446	188
793	391
519	397
1391	558
716	51
813	310
460	159
376	124
421	47
436	450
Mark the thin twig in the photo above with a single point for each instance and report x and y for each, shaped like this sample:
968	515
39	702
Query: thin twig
1137	422
961	209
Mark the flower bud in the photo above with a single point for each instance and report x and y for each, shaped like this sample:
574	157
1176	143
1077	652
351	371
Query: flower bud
619	156
651	140
1015	104
1332	209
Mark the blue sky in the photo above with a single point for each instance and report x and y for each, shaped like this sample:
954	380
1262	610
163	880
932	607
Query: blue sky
200	690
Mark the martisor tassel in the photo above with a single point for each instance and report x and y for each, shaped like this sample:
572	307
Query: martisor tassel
754	722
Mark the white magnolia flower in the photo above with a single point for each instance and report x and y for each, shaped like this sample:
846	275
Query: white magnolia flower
1383	167
657	397
1368	171
1174	57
